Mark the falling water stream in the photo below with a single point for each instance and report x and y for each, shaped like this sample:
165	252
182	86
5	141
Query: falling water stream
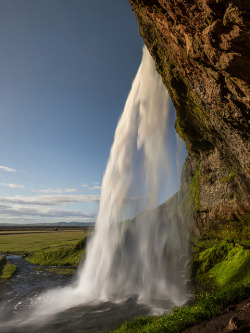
140	260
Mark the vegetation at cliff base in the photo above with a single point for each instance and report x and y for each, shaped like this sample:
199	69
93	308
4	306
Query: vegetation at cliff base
223	267
205	307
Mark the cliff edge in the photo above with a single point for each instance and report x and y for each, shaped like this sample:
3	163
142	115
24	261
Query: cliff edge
201	49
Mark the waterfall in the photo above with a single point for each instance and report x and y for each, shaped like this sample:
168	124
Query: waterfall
138	257
142	256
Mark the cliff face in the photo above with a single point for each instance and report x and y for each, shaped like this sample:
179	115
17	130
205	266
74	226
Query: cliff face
201	49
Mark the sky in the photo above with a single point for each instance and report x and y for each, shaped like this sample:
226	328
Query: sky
66	70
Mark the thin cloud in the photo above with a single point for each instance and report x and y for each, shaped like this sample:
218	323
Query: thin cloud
18	210
59	190
70	190
7	169
12	185
95	187
23	219
50	200
28	218
31	220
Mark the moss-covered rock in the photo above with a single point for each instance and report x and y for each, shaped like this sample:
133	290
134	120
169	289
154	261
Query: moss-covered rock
223	263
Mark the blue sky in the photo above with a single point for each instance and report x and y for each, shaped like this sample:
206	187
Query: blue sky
66	70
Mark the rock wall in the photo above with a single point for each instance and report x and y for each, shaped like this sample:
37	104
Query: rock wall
201	49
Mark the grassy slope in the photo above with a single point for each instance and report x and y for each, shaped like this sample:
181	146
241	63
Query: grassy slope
59	256
223	267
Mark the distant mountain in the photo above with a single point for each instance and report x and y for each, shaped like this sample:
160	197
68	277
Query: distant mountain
57	224
74	224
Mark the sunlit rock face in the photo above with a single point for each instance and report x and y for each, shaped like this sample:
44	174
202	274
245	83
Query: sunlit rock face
201	49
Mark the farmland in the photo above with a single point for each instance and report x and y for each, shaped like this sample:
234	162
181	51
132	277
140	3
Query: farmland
26	240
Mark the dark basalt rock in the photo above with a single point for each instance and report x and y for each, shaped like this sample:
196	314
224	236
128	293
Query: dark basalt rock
201	49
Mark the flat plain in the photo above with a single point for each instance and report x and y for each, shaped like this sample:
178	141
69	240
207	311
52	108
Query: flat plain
28	240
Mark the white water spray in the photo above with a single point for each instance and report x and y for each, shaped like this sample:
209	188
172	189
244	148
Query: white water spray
144	256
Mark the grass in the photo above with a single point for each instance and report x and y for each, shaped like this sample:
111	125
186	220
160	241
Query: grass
29	241
59	256
43	247
7	270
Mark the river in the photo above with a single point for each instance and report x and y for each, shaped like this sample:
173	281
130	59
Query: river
18	296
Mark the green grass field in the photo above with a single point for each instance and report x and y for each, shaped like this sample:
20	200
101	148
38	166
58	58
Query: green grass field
32	240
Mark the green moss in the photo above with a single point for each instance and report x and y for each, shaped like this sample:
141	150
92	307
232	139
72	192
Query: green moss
206	179
205	244
195	189
233	227
190	201
243	242
229	178
195	249
191	119
223	263
235	267
213	255
244	219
